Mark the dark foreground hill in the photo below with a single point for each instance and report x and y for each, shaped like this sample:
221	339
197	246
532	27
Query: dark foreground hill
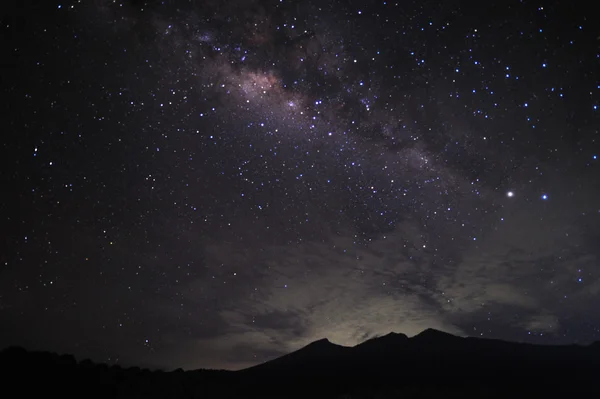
431	364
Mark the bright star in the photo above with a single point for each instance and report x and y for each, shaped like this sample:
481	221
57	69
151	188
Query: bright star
510	194
544	196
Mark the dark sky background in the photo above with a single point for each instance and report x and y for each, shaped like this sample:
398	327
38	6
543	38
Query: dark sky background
217	183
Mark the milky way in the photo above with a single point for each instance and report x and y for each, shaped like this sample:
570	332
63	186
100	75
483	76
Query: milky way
214	184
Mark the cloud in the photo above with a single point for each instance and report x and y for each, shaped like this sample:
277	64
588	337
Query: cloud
268	298
520	269
544	322
334	289
277	297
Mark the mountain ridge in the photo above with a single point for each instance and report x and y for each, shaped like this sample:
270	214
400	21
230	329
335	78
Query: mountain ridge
430	348
393	364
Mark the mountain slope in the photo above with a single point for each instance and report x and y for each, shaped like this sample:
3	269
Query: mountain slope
431	352
320	356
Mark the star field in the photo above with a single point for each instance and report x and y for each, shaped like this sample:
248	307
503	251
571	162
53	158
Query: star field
214	184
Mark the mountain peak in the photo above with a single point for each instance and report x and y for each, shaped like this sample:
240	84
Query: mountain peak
432	333
391	338
395	335
320	342
384	341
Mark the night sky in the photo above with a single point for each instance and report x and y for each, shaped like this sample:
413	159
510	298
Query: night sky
217	183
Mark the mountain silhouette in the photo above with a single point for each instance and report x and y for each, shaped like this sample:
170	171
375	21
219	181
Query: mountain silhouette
320	357
384	340
378	355
431	353
430	364
434	336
